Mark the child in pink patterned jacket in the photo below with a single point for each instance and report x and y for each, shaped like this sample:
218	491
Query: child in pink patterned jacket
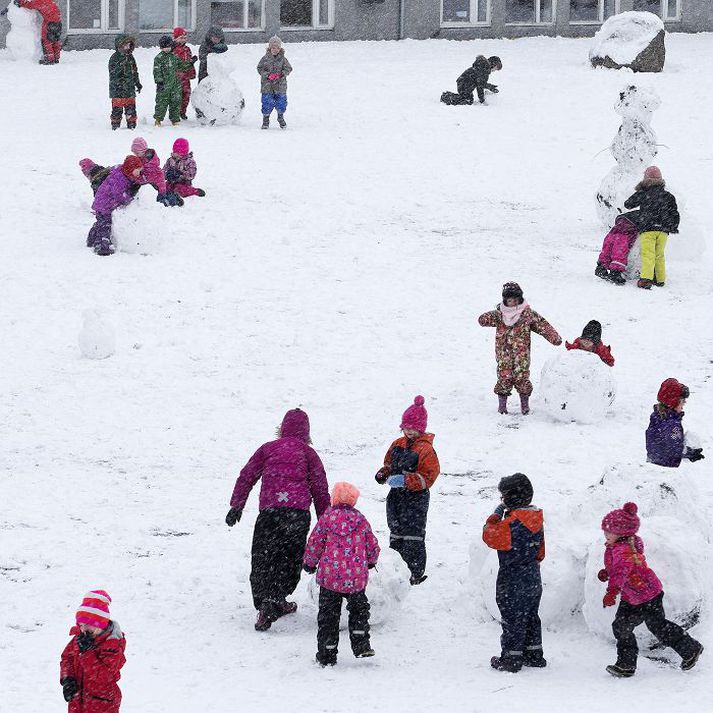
641	592
341	550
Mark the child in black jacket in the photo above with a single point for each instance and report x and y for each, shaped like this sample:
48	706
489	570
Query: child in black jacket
474	78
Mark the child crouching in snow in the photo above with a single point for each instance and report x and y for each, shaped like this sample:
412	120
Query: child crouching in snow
614	257
513	320
516	531
591	341
180	170
628	575
152	173
341	550
91	663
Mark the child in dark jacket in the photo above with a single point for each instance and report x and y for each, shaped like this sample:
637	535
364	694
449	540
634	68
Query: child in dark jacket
91	663
213	43
341	550
665	440
591	341
273	69
516	531
410	469
614	256
180	170
658	216
123	82
628	575
474	78
94	173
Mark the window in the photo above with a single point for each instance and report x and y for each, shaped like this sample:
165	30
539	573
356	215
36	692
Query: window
665	9
306	13
238	14
465	12
592	11
162	15
95	15
529	12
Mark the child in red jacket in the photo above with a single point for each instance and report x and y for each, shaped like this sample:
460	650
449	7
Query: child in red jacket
410	469
51	27
183	51
591	341
91	662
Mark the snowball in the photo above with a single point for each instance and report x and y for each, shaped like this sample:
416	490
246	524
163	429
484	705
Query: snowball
624	36
218	97
143	224
24	39
577	386
96	338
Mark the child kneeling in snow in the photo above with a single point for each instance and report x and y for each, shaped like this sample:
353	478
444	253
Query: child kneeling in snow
614	257
641	593
591	341
341	550
514	319
152	173
180	170
665	441
516	531
91	662
474	78
118	189
410	468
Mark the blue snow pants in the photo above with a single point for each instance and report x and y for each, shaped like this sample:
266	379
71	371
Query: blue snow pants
274	101
406	514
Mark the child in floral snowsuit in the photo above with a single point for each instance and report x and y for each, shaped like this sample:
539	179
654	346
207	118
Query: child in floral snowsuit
341	550
180	170
514	319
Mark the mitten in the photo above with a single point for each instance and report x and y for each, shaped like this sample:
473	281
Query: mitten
308	569
500	510
159	88
3	12
694	454
85	641
372	566
609	598
194	59
603	575
233	516
17	2
273	76
173	175
382	475
396	481
139	87
69	688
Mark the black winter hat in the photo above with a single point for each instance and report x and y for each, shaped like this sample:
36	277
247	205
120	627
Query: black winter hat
495	62
165	41
516	490
512	289
593	331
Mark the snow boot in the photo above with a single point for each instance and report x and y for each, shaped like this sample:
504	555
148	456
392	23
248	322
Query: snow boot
175	123
691	661
265	121
617	277
659	284
263	621
284	608
620	672
534	661
414	580
200	192
502	404
525	404
601	271
104	247
506	663
326	659
644	284
157	123
184	117
281	121
366	653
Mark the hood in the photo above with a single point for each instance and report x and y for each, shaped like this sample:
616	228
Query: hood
215	32
531	517
280	53
665	414
295	424
625	543
123	39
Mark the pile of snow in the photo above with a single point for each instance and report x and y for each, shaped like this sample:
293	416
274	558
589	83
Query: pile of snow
623	37
577	386
143	225
96	338
218	99
24	39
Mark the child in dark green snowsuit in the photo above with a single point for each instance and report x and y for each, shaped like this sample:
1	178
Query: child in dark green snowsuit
166	66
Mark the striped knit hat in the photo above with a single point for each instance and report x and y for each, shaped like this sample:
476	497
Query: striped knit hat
94	610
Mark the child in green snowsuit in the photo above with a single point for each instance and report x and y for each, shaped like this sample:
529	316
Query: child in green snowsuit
166	66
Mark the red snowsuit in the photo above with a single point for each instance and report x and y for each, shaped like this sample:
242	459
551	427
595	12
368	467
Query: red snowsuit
601	350
96	671
51	27
183	52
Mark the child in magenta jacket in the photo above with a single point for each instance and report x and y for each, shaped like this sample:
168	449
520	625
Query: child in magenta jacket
614	257
180	169
629	576
341	550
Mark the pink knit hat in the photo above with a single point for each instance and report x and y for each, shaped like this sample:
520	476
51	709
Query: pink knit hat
86	164
653	172
139	146
344	494
94	610
181	147
415	417
624	522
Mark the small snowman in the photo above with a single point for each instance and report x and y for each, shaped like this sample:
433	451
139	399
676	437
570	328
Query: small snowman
217	99
24	39
96	338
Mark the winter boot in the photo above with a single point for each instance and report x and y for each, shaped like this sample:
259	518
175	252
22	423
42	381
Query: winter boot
691	661
506	663
265	121
263	621
525	404
620	672
659	284
200	192
326	658
534	661
104	247
414	580
366	653
644	284
617	277
281	121
601	271
284	608
157	123
184	117
502	404
175	123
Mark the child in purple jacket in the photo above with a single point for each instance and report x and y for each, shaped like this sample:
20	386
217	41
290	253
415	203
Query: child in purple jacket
665	440
341	550
628	575
292	478
118	189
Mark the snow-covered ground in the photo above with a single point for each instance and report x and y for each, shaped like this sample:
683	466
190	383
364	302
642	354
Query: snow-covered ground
339	265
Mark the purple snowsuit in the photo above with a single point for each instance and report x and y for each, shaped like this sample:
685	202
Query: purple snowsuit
114	192
665	443
617	244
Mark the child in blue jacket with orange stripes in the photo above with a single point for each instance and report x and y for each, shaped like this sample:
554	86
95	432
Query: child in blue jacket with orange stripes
516	531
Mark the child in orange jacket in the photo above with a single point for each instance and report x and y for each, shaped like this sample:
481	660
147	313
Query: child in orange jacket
591	341
410	469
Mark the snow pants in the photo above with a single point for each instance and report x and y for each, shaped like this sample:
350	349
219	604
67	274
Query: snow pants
629	616
513	376
278	548
185	94
168	100
184	190
123	106
51	45
274	101
453	99
330	610
517	593
99	236
616	247
406	515
653	262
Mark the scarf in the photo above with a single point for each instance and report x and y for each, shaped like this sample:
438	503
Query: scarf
510	315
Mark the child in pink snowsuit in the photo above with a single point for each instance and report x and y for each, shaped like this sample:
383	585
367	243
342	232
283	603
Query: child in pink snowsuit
180	170
614	256
341	550
152	173
641	593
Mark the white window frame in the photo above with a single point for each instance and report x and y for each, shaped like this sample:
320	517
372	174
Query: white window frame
473	13
259	28
315	19
664	10
164	30
537	22
104	21
617	10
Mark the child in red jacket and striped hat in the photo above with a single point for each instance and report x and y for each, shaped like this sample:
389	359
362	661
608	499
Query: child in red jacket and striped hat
91	662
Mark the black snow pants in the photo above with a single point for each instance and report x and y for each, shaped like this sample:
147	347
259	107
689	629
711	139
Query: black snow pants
278	549
330	609
629	616
453	99
406	514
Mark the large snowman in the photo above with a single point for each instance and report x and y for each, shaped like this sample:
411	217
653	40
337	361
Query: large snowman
24	39
218	99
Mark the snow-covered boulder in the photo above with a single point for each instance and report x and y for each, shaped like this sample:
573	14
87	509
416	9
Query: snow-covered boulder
96	338
144	224
24	39
576	386
218	99
630	39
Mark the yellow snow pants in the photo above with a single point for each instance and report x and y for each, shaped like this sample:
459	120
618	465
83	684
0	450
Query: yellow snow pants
653	262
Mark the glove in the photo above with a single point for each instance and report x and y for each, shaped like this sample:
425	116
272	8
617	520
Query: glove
694	454
308	569
372	566
159	88
500	510
69	688
85	641
603	575
17	2
164	199
3	12
395	481
273	76
233	516
492	88
609	598
194	59
139	87
173	175
382	475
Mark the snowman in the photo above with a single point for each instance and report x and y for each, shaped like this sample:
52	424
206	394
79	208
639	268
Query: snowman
217	99
24	39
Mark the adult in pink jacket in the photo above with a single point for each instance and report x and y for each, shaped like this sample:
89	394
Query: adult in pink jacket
292	478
